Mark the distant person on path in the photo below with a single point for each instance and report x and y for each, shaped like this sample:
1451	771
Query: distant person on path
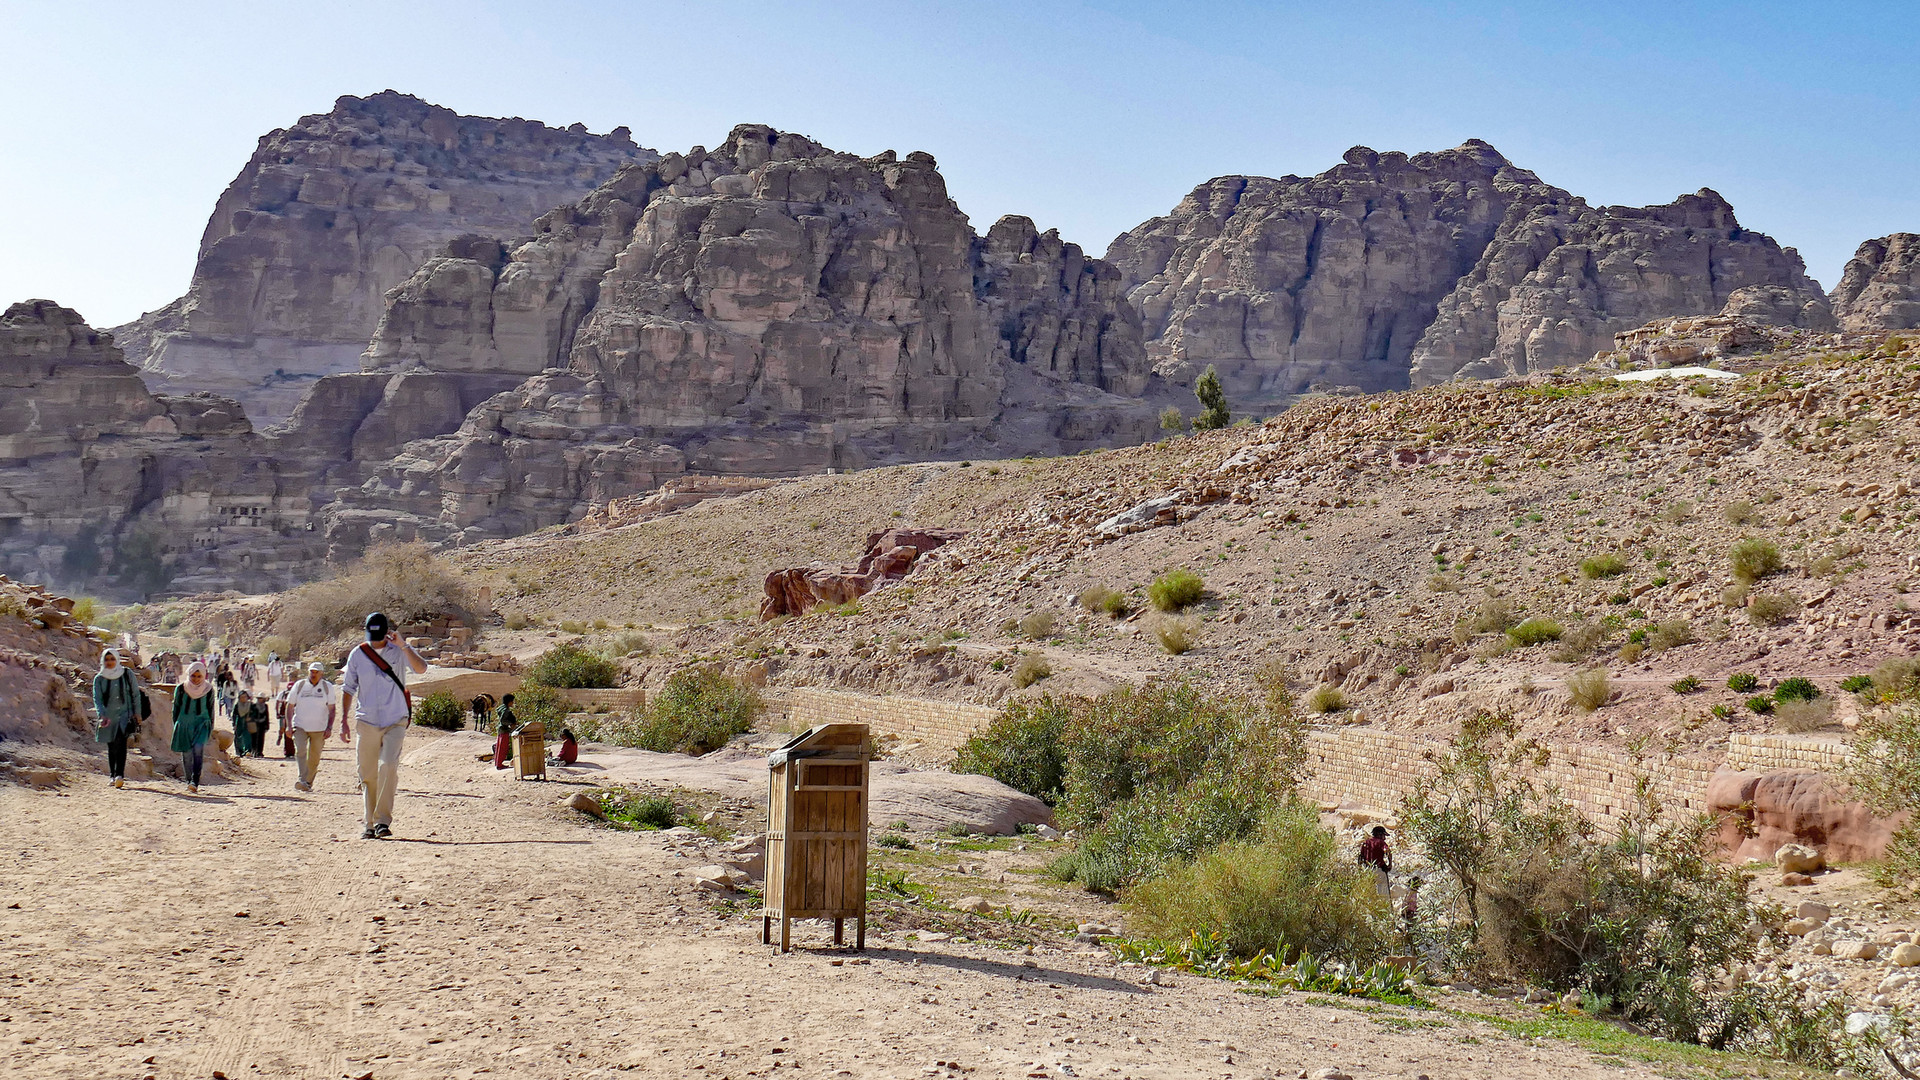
313	702
119	705
503	722
193	723
374	693
276	675
226	688
259	721
1375	853
242	717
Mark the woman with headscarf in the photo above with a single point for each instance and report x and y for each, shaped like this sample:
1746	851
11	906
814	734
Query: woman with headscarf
193	723
503	724
117	698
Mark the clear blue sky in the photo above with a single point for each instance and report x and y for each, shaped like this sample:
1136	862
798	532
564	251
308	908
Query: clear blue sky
121	122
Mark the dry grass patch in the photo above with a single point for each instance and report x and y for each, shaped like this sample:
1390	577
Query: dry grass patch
1589	689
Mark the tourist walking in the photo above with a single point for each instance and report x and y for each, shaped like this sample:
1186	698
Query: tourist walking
1377	856
276	675
313	703
374	693
118	706
241	716
258	720
503	724
193	723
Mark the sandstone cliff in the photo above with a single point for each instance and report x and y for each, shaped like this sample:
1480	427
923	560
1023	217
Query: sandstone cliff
331	213
1390	270
1880	288
769	308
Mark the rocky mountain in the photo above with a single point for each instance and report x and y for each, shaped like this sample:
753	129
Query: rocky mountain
769	308
331	213
1880	288
1388	271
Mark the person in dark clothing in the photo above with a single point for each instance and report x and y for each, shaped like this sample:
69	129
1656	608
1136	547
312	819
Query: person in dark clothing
1376	855
117	701
503	725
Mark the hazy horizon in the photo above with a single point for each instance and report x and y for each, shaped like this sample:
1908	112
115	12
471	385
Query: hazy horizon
126	122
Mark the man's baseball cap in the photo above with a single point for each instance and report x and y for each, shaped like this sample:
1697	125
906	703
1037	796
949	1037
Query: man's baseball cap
377	621
317	666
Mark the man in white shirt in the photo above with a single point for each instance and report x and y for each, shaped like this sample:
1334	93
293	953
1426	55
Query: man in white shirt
374	693
314	702
276	674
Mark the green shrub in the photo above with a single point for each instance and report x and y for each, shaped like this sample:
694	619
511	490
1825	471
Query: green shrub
1752	559
698	710
1854	684
1176	590
1535	631
1686	684
1288	887
1104	601
542	703
173	618
1885	769
440	711
1796	687
569	666
1024	747
1589	689
1151	775
1214	414
1741	681
1772	609
1031	669
1760	703
1647	925
1580	642
1326	698
86	611
639	810
895	841
1603	566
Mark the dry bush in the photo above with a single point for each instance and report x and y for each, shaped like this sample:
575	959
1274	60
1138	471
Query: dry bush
1678	511
1607	565
1772	609
1738	512
1897	678
407	581
515	620
1102	600
1326	698
1177	635
1795	716
1589	689
1439	581
1669	633
1495	615
1037	625
1580	642
1031	669
1735	595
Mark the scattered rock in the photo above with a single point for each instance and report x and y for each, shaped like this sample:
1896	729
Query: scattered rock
1855	950
1799	859
979	905
1907	955
1814	911
1795	879
584	803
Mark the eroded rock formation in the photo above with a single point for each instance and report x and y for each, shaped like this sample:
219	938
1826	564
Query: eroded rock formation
769	308
1880	288
331	213
889	556
1389	270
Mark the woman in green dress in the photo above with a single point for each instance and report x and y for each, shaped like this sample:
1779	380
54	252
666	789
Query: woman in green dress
116	706
193	723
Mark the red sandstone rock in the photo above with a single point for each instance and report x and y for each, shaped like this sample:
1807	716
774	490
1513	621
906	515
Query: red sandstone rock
1760	812
889	556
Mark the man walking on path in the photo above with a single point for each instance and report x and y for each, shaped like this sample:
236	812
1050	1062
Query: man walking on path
1378	857
374	693
314	703
276	674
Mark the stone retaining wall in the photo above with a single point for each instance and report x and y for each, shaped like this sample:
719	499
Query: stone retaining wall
1774	753
941	724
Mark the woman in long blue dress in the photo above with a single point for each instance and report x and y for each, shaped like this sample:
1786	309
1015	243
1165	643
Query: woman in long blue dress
116	708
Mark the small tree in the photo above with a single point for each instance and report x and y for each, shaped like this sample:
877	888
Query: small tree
1885	769
1213	402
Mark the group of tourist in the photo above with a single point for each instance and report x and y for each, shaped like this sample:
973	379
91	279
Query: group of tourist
371	690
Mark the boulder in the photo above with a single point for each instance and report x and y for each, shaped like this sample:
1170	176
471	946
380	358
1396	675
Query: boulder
978	905
1855	950
889	556
1905	956
1814	910
1799	859
1761	812
586	804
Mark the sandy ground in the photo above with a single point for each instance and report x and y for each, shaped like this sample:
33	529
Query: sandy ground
250	932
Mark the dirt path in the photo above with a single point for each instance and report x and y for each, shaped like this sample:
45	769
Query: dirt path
249	932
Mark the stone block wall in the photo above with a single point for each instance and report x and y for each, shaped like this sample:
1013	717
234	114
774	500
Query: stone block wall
1775	753
942	724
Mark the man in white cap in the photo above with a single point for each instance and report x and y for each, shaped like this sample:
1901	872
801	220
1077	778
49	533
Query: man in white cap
314	703
374	694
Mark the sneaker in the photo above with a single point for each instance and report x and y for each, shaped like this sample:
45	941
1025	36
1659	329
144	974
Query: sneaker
302	785
119	781
193	789
368	833
381	832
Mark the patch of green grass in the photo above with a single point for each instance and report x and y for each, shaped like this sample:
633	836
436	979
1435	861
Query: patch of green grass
1611	1040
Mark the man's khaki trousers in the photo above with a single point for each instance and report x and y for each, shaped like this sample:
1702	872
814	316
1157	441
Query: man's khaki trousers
379	769
306	751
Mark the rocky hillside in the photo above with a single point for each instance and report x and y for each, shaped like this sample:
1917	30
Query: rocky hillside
331	213
768	308
1388	271
1379	546
1880	288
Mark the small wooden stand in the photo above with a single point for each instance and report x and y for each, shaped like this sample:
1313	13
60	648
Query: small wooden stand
530	751
817	833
